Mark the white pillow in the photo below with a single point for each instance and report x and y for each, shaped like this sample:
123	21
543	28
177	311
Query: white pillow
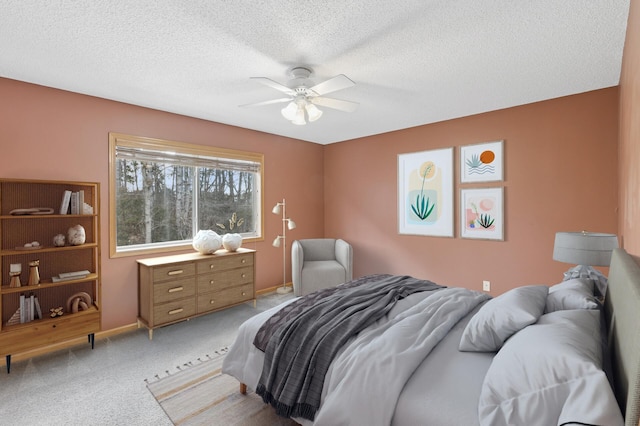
576	293
502	316
550	373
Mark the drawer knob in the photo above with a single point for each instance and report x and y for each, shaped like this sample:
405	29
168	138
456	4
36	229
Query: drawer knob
244	275
243	261
176	311
176	272
211	281
175	289
211	302
244	294
211	266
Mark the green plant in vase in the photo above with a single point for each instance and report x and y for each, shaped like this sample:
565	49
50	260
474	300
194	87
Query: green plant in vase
423	207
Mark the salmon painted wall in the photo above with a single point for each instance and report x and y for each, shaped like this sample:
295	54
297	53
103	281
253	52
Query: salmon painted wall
629	214
560	175
57	135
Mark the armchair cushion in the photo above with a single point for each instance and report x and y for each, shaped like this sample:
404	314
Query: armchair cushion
320	263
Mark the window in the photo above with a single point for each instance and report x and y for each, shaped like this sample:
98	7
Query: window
161	193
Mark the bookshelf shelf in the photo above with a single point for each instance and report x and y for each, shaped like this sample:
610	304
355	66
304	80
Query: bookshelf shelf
20	328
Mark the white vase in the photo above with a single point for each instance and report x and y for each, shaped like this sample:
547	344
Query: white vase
76	235
232	242
207	241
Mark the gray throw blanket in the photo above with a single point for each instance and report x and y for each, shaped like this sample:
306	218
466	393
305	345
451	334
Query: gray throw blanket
299	352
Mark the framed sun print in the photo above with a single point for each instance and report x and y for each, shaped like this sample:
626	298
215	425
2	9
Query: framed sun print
483	162
425	193
482	213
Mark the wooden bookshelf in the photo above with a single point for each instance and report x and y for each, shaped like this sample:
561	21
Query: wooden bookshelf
16	230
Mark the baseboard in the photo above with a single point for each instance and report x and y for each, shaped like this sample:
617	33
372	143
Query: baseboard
100	335
271	289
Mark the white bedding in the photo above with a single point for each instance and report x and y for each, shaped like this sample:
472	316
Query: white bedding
431	316
407	369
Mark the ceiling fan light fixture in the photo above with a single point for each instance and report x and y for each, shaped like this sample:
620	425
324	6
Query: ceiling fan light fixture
313	112
299	118
289	112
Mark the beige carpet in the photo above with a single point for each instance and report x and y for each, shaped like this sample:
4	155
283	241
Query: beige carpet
202	395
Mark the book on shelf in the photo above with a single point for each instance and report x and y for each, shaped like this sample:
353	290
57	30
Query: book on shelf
73	274
67	276
74	203
38	311
64	205
23	311
32	307
81	202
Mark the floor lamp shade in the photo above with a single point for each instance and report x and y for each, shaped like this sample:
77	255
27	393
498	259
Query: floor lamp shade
584	248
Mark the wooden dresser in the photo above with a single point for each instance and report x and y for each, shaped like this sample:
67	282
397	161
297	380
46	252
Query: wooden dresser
175	288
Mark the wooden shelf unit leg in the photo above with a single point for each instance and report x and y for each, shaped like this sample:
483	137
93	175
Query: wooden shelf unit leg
8	361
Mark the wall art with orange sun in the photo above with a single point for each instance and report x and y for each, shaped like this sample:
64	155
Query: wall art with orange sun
425	193
482	213
483	162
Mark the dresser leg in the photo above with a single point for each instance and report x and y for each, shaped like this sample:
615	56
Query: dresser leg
243	388
8	360
92	339
151	334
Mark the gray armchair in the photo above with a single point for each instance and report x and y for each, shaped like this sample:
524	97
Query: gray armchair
320	263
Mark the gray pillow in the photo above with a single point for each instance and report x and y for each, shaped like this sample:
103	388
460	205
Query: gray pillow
550	373
503	316
576	293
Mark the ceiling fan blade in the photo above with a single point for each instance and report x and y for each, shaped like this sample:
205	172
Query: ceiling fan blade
274	84
334	84
339	104
263	103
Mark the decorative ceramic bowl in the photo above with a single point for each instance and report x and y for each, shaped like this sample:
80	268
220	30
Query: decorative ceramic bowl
231	242
207	241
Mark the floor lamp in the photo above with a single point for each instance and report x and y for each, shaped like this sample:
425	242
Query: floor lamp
281	240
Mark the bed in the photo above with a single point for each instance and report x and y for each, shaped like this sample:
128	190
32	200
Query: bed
446	356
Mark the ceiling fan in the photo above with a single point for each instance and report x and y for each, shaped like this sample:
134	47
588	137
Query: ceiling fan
303	95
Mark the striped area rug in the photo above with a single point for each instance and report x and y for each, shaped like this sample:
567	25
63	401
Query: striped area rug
202	395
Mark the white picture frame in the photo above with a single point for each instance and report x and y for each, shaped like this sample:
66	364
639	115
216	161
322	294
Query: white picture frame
483	162
425	193
482	213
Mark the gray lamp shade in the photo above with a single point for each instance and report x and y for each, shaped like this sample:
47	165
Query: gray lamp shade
584	248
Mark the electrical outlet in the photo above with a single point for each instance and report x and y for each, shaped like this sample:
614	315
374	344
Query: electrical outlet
486	285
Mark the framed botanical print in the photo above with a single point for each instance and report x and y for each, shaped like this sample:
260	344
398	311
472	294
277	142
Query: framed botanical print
482	213
425	193
483	162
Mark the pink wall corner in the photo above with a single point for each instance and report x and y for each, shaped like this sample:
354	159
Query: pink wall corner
559	161
59	135
629	149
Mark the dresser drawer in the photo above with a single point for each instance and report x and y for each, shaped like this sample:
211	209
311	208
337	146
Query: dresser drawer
224	262
223	279
226	297
173	311
174	290
173	272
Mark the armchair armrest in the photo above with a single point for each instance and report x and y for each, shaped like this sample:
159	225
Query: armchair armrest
297	260
344	256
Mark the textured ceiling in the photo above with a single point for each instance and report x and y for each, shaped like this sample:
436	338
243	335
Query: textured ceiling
414	62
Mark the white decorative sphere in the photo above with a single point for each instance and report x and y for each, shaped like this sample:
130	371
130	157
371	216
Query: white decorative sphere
207	241
232	242
59	240
76	235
